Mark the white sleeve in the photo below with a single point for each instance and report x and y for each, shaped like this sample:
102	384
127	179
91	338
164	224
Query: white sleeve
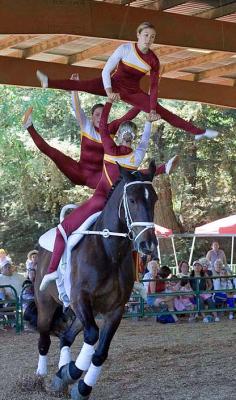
80	115
111	63
141	149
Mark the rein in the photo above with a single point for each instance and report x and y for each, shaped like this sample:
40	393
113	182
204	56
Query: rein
128	218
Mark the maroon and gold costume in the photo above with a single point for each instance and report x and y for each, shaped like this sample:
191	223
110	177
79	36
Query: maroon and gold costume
131	65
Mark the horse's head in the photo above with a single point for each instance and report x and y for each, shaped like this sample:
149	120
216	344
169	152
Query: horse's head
137	208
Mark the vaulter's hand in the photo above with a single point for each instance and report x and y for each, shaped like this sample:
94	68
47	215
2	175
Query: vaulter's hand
153	116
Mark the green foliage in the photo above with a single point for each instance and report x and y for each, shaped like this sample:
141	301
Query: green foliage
33	190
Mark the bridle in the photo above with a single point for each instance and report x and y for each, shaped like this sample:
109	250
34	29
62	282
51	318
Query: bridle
106	233
128	217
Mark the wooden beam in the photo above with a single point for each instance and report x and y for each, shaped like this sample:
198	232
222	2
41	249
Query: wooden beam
22	72
197	60
48	44
214	72
160	5
80	17
218	12
101	48
12	40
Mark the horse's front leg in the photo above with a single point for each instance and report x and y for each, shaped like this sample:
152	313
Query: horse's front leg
82	390
74	370
61	379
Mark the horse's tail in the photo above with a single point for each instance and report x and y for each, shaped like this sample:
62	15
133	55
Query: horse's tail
31	314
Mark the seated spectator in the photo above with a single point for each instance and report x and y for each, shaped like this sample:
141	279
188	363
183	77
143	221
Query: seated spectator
218	265
158	285
215	254
31	262
206	266
198	282
183	269
9	277
184	302
4	258
225	298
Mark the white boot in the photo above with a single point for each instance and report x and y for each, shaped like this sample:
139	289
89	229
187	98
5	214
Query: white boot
48	278
210	134
171	164
27	120
42	78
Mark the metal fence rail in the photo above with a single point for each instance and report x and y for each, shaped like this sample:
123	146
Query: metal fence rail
10	310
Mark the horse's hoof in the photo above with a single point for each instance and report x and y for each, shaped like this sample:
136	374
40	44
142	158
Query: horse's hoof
57	385
65	375
76	395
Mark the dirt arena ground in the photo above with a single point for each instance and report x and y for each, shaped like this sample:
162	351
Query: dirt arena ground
146	361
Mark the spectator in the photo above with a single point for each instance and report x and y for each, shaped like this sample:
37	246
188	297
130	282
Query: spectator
184	302
9	277
183	269
218	265
224	298
198	282
158	285
31	262
216	254
4	258
206	266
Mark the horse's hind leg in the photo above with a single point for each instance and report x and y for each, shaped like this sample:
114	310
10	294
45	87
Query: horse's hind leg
82	390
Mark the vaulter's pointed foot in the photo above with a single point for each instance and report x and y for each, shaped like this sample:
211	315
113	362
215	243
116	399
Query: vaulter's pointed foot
172	164
27	119
42	78
47	279
209	134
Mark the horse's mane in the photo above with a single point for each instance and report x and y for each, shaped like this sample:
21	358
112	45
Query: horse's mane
113	187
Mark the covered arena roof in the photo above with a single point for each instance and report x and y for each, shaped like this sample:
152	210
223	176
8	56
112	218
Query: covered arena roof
195	42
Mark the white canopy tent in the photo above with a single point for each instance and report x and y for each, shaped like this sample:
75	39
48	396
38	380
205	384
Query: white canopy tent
224	227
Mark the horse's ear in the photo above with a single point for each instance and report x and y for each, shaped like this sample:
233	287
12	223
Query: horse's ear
152	169
124	173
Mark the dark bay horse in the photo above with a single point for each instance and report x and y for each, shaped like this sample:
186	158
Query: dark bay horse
102	278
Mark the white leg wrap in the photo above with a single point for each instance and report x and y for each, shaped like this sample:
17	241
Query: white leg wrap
92	375
42	369
85	356
65	356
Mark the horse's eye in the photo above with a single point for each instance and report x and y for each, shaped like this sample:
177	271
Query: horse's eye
132	201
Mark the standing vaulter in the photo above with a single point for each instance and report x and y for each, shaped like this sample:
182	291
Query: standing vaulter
131	62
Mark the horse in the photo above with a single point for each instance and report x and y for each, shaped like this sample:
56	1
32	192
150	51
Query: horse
102	278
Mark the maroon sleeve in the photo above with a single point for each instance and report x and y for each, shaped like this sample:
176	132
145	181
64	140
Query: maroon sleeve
109	145
154	82
114	125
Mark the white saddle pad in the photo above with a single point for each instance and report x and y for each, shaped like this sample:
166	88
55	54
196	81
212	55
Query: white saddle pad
47	241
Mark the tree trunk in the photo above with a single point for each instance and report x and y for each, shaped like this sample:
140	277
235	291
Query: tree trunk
164	213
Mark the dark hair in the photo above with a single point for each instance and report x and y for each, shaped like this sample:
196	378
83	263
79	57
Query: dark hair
184	281
99	105
164	271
